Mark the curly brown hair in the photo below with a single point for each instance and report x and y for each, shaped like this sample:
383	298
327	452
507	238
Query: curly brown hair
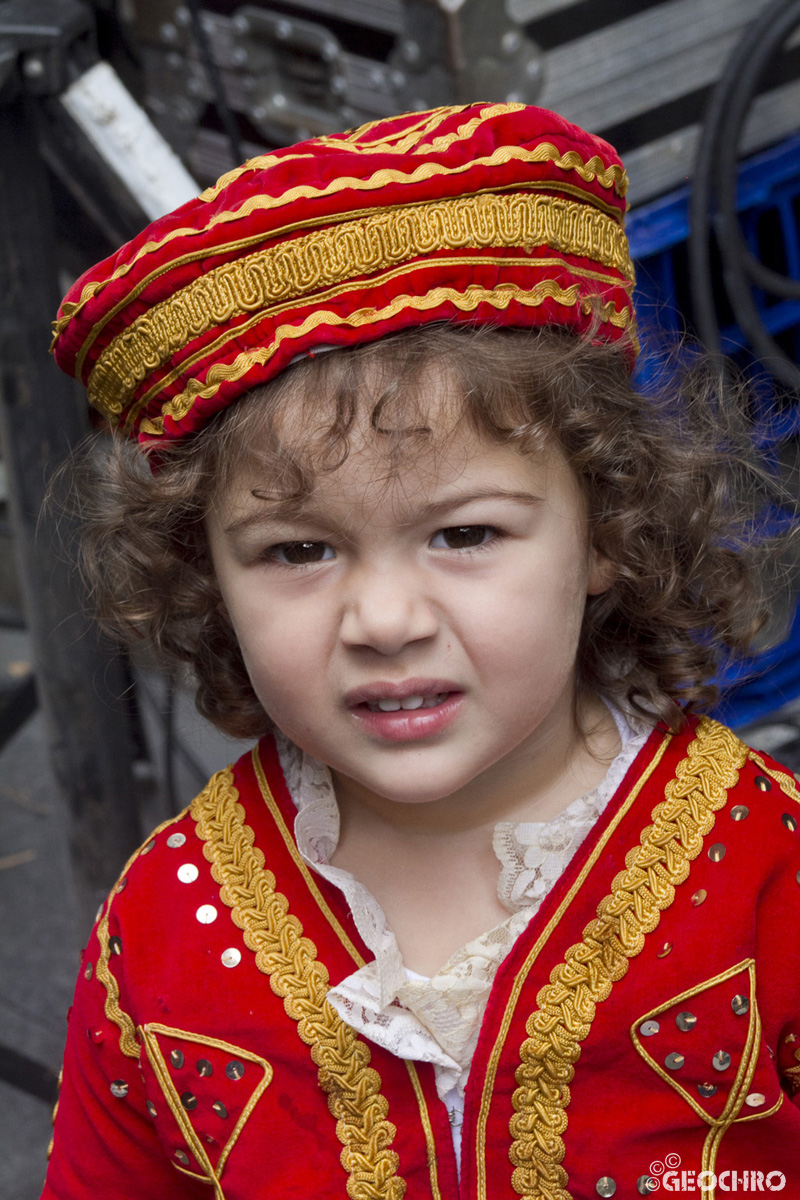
672	485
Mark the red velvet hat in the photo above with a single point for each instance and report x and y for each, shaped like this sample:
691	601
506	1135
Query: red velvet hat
497	214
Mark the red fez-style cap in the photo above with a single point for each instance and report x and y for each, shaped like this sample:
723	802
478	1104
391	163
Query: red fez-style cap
488	214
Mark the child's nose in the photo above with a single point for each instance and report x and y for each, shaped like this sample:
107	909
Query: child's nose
387	610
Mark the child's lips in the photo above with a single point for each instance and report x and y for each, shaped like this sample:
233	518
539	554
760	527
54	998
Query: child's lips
416	714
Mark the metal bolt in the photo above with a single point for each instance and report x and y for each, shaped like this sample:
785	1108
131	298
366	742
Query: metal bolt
411	52
511	42
33	68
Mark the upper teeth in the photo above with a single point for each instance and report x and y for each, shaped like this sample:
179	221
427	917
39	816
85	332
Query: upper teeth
408	702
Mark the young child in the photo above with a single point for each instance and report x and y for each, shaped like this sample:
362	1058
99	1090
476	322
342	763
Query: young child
487	912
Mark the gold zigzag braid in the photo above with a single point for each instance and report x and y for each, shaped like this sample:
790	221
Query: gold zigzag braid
566	1006
594	169
296	975
467	301
303	266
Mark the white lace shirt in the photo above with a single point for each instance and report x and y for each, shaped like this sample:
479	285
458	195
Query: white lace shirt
437	1020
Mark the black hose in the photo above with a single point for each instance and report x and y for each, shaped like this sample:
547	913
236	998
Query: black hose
716	176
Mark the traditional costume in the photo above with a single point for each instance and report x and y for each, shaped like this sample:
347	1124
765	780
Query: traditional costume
240	1028
646	1022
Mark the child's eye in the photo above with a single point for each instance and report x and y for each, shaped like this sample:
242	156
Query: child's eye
463	537
300	554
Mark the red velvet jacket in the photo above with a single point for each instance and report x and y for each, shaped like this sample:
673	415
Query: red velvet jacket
644	1025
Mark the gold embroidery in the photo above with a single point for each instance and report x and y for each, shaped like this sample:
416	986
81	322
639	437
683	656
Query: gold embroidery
295	974
311	884
128	1042
609	177
466	301
748	965
497	1049
183	402
787	783
306	264
567	1005
149	1034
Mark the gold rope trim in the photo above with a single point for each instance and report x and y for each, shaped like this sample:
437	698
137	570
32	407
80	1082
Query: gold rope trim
362	316
787	783
128	1042
748	965
613	176
522	974
466	301
290	960
567	1005
317	260
149	1034
291	846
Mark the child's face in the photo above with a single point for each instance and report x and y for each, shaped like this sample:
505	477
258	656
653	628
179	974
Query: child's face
414	633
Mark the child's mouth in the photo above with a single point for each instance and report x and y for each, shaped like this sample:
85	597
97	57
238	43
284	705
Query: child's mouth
408	703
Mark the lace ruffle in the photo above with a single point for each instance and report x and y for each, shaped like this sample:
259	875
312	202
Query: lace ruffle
437	1020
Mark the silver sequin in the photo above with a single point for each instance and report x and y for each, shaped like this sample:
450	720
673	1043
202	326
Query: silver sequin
187	873
739	812
646	1185
204	1067
721	1060
206	913
699	896
706	1090
220	1109
234	1069
740	1005
176	1058
606	1186
755	1099
762	783
115	945
665	950
182	1157
119	1088
686	1021
151	1108
789	822
231	957
87	974
146	850
648	1028
188	1101
717	852
175	840
674	1062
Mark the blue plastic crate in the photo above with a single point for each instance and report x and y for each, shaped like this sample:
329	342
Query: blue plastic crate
768	200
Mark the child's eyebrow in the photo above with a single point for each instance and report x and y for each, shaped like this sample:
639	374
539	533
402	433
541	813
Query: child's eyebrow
291	510
493	493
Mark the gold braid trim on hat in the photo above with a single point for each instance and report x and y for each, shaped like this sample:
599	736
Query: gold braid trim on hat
639	894
296	975
610	177
306	264
467	301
